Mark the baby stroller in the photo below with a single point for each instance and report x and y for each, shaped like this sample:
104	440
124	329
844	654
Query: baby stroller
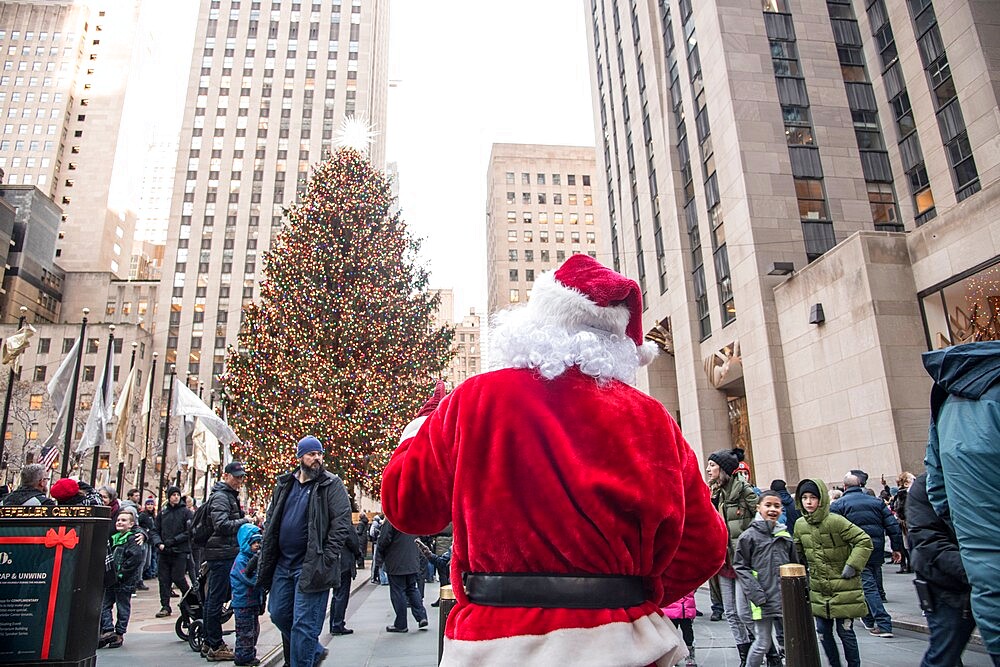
190	625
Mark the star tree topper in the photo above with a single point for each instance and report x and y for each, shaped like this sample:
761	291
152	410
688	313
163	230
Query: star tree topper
355	133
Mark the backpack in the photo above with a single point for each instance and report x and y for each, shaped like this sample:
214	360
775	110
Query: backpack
201	526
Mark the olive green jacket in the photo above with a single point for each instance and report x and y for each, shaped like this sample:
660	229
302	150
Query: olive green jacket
826	543
737	504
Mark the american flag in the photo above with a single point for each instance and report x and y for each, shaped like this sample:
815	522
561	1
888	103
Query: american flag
48	455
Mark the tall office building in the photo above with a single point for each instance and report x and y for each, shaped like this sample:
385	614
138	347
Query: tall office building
806	190
270	84
467	344
540	210
73	120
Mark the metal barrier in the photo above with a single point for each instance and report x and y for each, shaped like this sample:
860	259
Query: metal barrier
801	645
448	603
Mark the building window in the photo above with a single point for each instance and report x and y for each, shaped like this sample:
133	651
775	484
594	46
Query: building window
515	296
512	275
525	178
39	374
510	197
812	204
43	345
510	177
511	234
526	216
67	345
512	255
35	402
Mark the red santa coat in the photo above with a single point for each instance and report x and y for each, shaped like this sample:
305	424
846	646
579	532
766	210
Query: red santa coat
558	476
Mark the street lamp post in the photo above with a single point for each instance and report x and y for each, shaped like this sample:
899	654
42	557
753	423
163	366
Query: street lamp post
125	415
166	434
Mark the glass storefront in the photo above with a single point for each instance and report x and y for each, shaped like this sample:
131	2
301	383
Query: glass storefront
964	310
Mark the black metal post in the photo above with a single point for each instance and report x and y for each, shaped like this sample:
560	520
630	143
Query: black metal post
801	647
204	494
70	427
149	420
6	402
109	375
166	435
448	602
121	462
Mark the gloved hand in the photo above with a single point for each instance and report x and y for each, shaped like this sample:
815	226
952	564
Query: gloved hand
848	573
432	402
252	565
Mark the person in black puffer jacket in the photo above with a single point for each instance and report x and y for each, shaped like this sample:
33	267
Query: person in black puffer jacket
399	556
934	557
226	517
170	539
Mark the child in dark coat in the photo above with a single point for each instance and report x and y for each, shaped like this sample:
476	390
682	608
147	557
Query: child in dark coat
123	567
248	600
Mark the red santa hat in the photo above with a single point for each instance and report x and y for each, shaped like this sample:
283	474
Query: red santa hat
584	294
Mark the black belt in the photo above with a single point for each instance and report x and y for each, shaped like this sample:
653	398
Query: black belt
554	591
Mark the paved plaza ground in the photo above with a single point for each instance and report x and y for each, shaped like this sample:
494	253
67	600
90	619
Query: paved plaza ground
151	642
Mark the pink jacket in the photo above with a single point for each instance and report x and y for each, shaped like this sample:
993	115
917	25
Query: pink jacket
683	608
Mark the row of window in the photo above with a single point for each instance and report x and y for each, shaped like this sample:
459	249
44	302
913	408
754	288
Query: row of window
543	236
527	217
557	198
540	179
514	295
43	36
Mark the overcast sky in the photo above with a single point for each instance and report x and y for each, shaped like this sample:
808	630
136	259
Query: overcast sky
468	75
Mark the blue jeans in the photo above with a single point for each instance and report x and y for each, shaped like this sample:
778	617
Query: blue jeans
403	593
950	631
299	616
121	599
338	603
217	593
871	580
845	630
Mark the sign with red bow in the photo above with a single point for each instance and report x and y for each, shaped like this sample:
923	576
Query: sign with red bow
37	567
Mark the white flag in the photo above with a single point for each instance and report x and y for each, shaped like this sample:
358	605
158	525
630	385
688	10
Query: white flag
187	404
205	451
95	433
17	343
122	414
144	411
57	390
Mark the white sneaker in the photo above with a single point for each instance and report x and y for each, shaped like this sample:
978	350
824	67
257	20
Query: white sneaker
878	633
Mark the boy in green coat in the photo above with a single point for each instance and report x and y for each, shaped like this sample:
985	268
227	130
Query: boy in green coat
835	551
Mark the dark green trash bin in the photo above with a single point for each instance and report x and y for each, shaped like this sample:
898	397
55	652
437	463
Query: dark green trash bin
51	583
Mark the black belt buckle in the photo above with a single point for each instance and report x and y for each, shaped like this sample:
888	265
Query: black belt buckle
554	591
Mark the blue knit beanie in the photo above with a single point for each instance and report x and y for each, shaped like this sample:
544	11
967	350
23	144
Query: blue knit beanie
308	444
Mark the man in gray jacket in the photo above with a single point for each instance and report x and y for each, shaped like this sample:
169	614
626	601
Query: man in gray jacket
308	522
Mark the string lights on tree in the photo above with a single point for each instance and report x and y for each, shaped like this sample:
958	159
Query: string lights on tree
341	343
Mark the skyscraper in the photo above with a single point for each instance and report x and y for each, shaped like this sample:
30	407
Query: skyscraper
73	120
270	84
796	185
539	211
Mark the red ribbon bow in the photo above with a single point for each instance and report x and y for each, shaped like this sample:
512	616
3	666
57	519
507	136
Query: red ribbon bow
61	538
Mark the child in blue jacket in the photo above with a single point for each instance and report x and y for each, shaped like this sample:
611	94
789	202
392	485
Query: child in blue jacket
248	600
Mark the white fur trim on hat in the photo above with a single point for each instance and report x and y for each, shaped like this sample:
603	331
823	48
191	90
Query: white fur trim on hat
644	641
573	310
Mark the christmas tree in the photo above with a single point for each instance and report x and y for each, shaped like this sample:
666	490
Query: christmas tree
341	344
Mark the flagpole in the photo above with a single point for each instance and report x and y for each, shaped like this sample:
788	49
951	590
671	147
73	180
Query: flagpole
166	433
6	402
149	419
70	427
204	498
108	378
125	415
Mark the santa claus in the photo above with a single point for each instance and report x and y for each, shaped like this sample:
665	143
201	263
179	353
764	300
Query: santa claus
578	508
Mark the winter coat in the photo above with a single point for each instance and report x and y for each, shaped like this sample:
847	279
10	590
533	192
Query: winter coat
128	558
761	550
934	549
361	530
443	540
397	552
243	574
737	504
685	607
351	554
789	514
147	522
963	480
27	496
227	516
328	524
871	515
899	506
826	543
170	528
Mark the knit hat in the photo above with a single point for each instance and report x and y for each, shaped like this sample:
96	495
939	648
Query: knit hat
171	490
727	459
779	485
152	501
807	486
584	294
65	489
861	475
308	444
742	467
